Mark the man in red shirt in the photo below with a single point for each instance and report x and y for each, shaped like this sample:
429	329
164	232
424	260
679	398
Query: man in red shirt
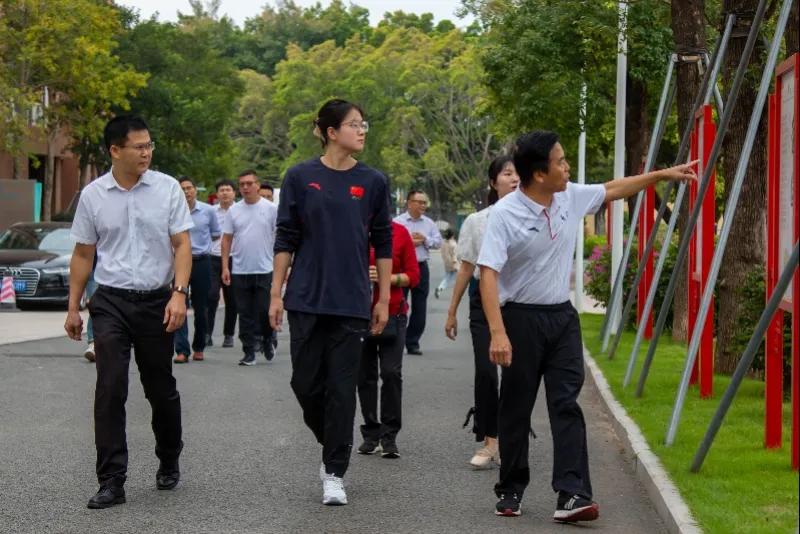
380	434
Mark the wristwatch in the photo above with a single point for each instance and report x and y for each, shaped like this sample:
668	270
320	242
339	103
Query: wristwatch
181	289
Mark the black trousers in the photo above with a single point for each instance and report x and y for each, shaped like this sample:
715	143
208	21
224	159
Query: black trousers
199	282
213	299
487	398
252	304
546	342
120	322
419	307
326	356
388	357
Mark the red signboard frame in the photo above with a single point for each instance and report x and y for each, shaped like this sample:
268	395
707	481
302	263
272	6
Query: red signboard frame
701	250
775	241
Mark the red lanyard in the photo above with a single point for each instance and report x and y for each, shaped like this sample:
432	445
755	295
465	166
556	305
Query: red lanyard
550	227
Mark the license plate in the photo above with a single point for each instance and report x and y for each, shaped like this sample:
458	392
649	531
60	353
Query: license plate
20	286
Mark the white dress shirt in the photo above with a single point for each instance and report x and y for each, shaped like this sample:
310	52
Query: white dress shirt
132	229
425	226
532	247
222	214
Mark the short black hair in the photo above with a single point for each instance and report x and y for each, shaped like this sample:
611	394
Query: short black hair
449	234
495	168
532	154
223	183
267	185
332	115
414	192
248	172
117	130
186	179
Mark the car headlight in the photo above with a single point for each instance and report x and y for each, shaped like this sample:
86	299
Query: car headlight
64	271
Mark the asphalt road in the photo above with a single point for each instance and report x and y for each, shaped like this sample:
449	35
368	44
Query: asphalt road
250	465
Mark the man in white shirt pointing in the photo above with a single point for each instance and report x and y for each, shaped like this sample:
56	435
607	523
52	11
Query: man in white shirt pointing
526	261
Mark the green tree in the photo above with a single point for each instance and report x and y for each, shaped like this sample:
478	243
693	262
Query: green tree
61	52
191	98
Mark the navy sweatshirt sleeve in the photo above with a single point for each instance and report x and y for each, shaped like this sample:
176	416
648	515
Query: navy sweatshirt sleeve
327	219
381	222
287	236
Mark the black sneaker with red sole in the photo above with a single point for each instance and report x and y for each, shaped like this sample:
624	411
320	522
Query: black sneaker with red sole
574	508
508	506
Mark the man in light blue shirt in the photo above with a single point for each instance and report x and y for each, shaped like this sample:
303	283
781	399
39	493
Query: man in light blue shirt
426	236
206	230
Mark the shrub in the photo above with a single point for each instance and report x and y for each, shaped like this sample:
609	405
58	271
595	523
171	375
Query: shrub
754	298
598	273
591	242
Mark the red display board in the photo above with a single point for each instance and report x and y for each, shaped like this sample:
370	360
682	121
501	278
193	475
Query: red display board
783	230
646	220
212	199
701	250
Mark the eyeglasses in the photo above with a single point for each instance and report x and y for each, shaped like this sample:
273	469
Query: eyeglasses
364	125
143	147
420	202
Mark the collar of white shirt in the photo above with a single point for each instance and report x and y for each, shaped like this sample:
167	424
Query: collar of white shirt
110	183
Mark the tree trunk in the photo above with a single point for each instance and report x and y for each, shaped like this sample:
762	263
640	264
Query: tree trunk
637	135
19	163
746	246
49	175
689	31
793	30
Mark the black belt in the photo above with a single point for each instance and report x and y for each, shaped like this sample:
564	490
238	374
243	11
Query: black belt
199	257
136	294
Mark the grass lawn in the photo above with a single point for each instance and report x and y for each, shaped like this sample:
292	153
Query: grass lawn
742	488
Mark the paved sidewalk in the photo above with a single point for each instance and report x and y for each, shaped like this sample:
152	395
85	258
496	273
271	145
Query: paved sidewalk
250	465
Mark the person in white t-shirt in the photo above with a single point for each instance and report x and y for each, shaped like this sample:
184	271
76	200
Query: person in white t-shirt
526	261
503	179
250	230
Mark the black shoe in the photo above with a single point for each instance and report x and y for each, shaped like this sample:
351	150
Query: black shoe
369	447
269	351
508	506
227	343
415	352
107	496
389	450
574	508
167	476
249	359
275	342
209	341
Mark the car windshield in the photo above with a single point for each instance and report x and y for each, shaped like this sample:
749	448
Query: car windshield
55	240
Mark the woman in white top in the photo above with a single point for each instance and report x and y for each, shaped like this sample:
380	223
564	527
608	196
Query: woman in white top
503	179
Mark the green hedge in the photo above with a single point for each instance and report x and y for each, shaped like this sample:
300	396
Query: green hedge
591	242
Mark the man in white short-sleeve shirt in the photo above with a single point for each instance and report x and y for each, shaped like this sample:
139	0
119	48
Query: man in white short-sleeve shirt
526	261
250	230
138	222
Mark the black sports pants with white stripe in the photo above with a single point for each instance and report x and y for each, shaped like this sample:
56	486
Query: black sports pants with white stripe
546	343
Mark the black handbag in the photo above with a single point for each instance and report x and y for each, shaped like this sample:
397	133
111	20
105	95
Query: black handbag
390	331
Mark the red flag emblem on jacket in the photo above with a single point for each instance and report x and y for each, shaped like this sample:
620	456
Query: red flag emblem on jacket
356	192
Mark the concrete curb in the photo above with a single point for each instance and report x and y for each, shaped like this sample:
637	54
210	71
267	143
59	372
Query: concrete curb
662	492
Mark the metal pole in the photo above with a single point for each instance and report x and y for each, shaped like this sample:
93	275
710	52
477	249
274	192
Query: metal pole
659	265
730	213
703	187
581	180
717	65
682	153
617	207
652	152
744	364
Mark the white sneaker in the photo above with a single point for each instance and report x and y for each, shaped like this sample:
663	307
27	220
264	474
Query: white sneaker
333	491
89	352
322	473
